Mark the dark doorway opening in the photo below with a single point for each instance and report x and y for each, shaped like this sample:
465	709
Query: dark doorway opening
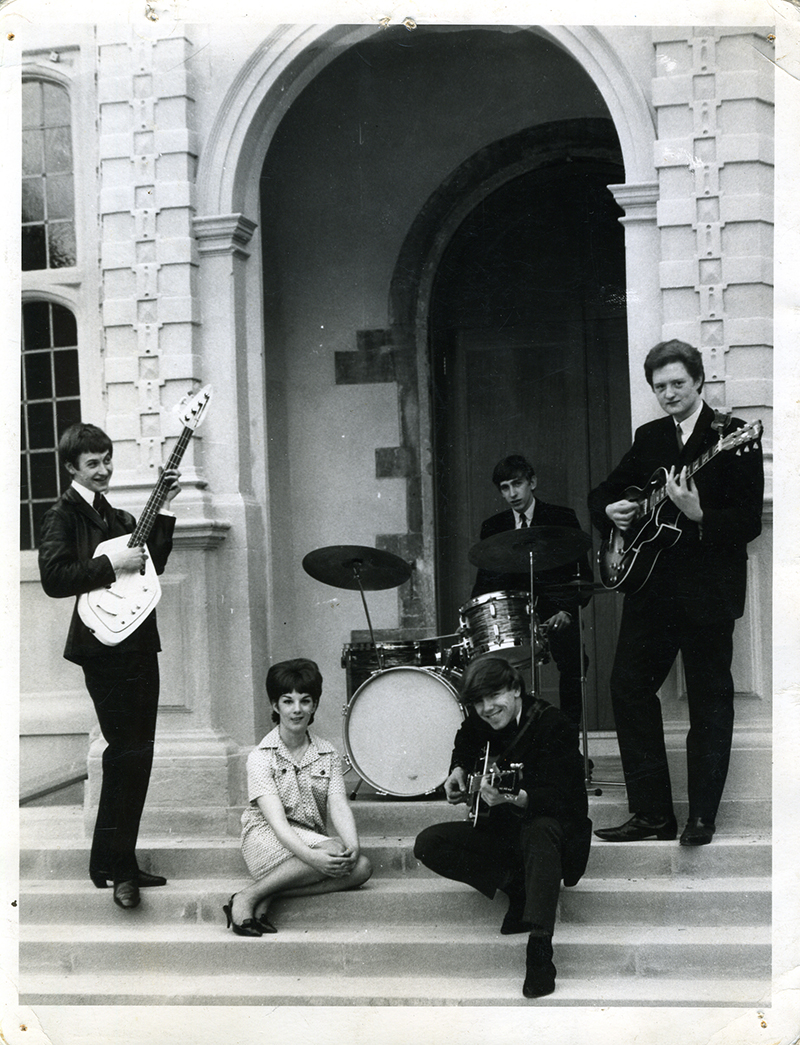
529	354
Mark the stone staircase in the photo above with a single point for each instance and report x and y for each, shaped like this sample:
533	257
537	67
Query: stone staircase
649	924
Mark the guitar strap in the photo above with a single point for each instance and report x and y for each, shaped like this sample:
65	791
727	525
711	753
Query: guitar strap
721	418
535	712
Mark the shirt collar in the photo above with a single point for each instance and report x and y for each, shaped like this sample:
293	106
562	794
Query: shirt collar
688	423
273	740
87	495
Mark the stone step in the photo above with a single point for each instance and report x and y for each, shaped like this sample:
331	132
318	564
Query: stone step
415	901
411	951
728	855
253	989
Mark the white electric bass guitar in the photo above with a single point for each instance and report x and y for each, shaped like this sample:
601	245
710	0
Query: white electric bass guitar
115	612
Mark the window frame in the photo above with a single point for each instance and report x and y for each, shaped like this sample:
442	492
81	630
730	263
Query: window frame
71	64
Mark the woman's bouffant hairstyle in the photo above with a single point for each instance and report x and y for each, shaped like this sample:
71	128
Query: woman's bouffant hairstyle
82	439
488	676
293	676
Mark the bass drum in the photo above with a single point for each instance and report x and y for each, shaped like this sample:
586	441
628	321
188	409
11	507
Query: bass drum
399	730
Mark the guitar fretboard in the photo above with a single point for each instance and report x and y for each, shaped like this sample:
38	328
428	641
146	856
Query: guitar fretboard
659	495
159	494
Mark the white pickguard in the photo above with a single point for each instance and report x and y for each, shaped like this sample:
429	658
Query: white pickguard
115	612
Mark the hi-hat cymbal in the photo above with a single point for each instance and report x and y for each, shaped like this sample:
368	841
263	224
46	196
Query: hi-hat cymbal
510	551
343	565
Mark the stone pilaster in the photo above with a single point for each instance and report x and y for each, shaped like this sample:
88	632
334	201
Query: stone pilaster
713	97
150	318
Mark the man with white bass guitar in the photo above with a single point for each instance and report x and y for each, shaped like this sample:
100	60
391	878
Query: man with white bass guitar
676	515
122	679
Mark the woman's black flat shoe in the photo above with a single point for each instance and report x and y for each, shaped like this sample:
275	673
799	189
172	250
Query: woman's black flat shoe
249	926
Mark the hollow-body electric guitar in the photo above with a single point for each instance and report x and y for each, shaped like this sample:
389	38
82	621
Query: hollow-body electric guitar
116	611
506	780
627	557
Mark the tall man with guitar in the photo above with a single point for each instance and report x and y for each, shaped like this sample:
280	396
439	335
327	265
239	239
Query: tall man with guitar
121	670
676	515
516	762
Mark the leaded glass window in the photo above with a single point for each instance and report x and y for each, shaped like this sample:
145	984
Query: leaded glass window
50	403
48	193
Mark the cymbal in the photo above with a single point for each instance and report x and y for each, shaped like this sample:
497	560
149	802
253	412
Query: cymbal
343	565
510	551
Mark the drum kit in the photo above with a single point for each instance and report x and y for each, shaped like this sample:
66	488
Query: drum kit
403	707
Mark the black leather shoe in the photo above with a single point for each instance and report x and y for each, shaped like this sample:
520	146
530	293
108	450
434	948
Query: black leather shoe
540	973
640	827
126	894
697	831
144	879
147	880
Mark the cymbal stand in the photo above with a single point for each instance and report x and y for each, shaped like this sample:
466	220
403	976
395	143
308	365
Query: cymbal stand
536	679
354	564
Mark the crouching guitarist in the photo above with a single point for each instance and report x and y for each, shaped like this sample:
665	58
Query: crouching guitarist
687	597
535	834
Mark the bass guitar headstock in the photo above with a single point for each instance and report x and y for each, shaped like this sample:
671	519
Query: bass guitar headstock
191	410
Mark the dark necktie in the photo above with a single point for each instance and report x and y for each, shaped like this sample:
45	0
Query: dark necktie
100	504
523	523
679	434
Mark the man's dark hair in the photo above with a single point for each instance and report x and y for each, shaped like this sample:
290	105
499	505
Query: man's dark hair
515	466
487	676
666	352
294	676
82	439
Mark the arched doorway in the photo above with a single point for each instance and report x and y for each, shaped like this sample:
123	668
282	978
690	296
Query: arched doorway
529	354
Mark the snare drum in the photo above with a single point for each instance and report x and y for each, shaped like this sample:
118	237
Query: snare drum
399	730
360	661
495	621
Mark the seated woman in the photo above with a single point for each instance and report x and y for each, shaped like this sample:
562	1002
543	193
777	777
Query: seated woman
295	787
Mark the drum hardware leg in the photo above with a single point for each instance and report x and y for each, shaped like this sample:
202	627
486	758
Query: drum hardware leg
354	792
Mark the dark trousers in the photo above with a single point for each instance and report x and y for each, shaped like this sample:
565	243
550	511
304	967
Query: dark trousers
489	860
650	637
566	650
124	689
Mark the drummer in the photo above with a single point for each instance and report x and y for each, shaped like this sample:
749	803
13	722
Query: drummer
557	596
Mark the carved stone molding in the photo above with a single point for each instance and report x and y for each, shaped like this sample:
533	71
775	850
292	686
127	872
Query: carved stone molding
224	234
638	201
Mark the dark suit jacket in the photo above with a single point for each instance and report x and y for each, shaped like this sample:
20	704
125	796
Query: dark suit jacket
552	774
707	567
547	604
70	532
